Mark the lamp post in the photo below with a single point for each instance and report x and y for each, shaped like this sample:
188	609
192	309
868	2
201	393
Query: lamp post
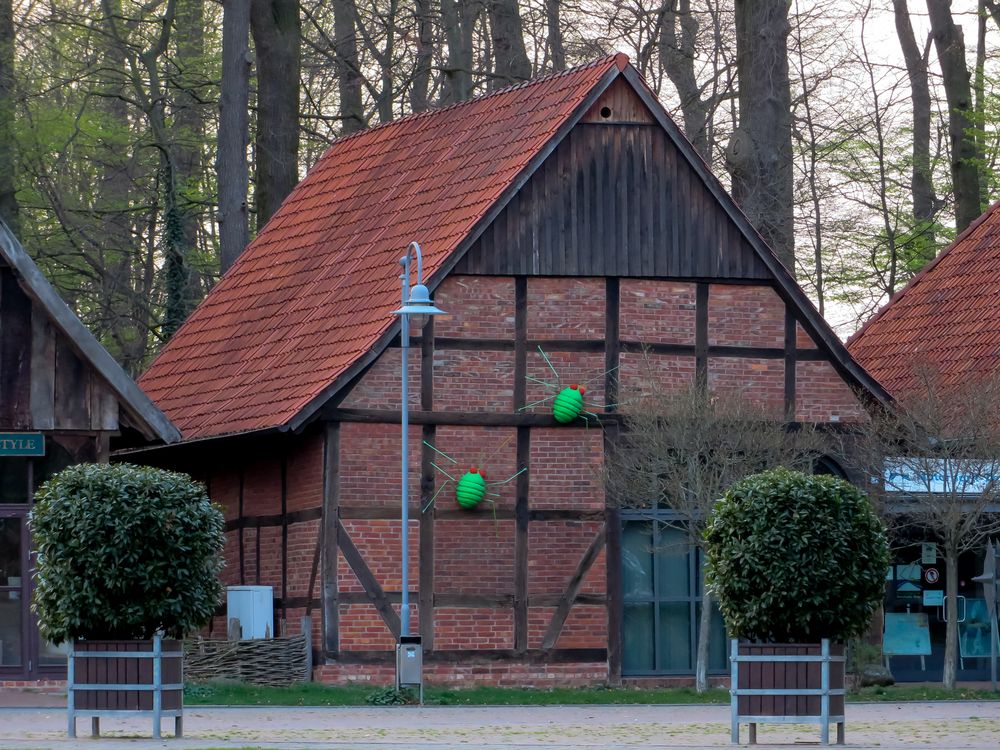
415	301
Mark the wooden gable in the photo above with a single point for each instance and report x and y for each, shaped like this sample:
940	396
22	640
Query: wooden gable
615	198
54	375
44	384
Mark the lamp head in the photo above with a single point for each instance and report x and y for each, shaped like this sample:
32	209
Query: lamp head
419	303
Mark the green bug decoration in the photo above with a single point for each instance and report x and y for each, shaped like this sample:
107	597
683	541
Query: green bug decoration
471	488
568	404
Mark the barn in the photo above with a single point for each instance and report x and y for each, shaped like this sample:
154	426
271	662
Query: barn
941	329
572	235
63	400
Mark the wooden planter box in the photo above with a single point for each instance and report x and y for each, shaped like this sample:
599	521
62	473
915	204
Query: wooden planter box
109	678
787	684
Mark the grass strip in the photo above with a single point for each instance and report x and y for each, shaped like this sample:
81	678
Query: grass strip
315	694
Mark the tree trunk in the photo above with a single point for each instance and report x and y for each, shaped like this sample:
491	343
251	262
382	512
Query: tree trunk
921	186
553	24
704	631
950	45
189	115
425	52
809	154
951	615
759	156
510	59
9	210
277	32
458	18
127	306
677	56
234	132
345	32
980	103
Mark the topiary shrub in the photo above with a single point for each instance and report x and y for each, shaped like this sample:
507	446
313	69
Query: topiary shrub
124	552
794	558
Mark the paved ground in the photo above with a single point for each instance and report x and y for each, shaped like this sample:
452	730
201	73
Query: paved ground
897	726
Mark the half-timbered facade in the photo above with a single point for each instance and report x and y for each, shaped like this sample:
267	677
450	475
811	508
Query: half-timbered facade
571	234
63	400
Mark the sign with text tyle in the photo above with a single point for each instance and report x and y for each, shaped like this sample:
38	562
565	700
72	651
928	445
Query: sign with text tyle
22	444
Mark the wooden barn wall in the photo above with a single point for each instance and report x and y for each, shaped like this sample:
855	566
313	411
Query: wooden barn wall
618	200
44	385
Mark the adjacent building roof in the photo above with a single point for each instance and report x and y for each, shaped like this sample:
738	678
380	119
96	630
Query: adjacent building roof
309	303
948	316
146	416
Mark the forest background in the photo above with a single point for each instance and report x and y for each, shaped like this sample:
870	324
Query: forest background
143	142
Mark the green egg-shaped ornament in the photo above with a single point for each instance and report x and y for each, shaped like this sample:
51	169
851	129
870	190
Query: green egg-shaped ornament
568	404
470	489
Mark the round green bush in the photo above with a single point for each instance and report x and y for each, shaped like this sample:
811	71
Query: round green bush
793	558
124	552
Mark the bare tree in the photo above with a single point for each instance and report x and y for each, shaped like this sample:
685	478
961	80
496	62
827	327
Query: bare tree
759	154
921	184
949	43
8	191
234	132
938	452
419	90
678	37
458	19
683	450
148	91
554	37
277	32
349	79
187	84
510	59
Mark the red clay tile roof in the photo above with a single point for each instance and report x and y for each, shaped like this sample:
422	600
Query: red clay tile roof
314	292
948	316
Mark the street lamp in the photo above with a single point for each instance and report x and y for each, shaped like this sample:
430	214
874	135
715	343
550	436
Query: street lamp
416	301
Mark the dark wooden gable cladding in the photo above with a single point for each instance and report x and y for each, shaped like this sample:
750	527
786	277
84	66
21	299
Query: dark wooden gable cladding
615	198
44	384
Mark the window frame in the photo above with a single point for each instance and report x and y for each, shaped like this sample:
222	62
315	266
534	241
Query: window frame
660	518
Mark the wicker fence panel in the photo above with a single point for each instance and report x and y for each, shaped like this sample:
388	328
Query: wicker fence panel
274	661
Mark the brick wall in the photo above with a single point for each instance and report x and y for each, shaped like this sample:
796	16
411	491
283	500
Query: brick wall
464	628
760	381
566	308
644	373
745	316
822	396
380	545
380	386
507	673
586	626
370	466
479	307
566	469
554	552
473	381
656	312
474	554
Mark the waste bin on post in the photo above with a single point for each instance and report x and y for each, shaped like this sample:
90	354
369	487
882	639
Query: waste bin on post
410	664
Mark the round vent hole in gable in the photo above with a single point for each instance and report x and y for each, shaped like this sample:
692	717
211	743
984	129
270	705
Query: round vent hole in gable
605	112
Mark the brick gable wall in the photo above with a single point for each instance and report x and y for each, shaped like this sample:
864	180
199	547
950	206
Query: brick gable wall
475	553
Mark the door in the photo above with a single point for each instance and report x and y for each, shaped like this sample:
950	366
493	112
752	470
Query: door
916	583
15	616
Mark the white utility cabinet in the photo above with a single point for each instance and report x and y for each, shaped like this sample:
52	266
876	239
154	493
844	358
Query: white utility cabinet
253	606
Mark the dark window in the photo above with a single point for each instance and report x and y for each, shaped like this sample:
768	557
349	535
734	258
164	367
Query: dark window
661	575
14	479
